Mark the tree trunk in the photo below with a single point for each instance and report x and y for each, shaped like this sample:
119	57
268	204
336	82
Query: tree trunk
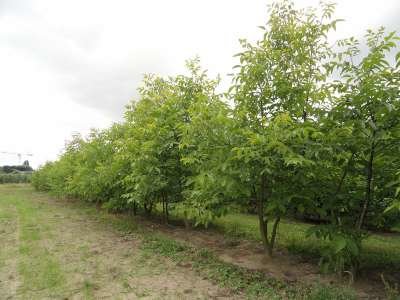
304	116
163	207
273	235
263	221
148	208
166	210
134	208
187	223
368	186
346	169
339	187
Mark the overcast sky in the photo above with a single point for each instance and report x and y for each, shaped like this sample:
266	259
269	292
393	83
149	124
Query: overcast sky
69	65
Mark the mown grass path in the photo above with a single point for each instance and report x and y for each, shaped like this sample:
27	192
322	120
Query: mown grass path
49	250
9	240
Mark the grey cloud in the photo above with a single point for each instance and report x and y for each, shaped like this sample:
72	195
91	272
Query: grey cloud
111	88
105	81
88	78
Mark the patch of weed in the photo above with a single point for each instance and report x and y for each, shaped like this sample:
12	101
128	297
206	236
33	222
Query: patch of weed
240	280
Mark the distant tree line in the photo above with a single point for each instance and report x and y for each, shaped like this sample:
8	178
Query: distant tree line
16	173
16	168
15	178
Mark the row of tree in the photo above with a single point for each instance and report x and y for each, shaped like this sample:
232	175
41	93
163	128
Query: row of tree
307	128
22	177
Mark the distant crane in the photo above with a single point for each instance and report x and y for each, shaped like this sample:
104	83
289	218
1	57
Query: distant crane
19	154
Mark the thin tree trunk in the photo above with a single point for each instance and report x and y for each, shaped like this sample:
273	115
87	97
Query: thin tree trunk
263	222
273	235
304	116
148	208
344	173
368	186
187	223
339	187
165	207
166	210
134	208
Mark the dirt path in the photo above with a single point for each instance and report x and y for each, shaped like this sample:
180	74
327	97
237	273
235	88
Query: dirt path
251	255
60	252
247	254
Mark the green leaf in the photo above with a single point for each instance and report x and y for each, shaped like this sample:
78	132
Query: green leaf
339	244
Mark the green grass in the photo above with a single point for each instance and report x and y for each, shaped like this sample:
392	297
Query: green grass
253	284
6	216
88	288
37	269
44	272
379	251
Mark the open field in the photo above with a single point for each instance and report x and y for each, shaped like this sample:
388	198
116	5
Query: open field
64	249
55	251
